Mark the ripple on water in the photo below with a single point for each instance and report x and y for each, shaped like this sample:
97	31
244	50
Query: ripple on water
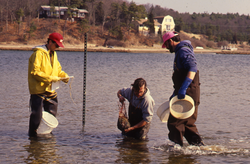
187	149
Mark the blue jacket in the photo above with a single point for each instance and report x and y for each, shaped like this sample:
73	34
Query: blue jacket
184	56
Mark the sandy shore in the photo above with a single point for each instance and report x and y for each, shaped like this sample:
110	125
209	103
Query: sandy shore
93	48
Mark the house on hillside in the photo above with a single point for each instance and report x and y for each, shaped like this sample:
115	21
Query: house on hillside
142	29
62	12
162	24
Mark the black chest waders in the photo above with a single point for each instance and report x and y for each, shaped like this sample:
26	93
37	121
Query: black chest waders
185	127
38	103
135	116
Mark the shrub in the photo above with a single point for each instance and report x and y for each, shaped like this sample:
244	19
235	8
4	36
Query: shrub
222	43
116	43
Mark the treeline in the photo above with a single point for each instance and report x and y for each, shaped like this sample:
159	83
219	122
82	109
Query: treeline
218	27
117	15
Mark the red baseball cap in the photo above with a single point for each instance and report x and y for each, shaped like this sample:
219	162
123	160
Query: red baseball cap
167	36
57	38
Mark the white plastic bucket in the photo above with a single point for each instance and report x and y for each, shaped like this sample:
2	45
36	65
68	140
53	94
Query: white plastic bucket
163	111
182	108
47	124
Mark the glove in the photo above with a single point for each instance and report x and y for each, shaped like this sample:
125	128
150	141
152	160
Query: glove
54	78
183	89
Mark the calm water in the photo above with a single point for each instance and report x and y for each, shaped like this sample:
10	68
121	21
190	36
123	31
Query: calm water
222	120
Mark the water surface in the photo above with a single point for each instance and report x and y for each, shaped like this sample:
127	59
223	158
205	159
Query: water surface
222	118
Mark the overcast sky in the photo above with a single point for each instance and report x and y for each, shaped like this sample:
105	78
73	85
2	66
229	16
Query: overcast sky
201	6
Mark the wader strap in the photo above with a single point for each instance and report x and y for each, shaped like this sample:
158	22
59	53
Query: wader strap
46	98
175	65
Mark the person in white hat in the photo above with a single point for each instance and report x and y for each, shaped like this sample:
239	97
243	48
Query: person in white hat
186	81
44	68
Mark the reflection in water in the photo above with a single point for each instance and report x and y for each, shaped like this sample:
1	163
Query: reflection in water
132	151
42	149
187	159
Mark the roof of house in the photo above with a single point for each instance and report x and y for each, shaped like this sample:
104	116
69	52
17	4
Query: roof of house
63	8
56	8
83	11
156	23
141	21
157	20
160	18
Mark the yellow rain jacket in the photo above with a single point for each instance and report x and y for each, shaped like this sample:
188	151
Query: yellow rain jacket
40	71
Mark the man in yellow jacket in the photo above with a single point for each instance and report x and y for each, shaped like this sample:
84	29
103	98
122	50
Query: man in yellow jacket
44	68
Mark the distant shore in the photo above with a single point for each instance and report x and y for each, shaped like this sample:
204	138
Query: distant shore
93	48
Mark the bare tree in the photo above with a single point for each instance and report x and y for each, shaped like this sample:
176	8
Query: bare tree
106	11
92	7
7	14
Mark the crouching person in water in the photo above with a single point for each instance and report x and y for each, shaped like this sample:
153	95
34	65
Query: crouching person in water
140	108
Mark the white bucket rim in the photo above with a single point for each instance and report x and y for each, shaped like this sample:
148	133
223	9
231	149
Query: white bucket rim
163	111
182	115
49	123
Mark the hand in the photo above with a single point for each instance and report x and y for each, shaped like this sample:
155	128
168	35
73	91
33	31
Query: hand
183	89
129	129
121	99
54	78
66	80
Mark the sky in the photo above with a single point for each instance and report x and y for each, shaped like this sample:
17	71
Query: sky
201	6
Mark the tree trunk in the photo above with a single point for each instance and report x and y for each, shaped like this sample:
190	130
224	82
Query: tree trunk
1	16
38	17
103	22
19	25
6	19
59	12
64	28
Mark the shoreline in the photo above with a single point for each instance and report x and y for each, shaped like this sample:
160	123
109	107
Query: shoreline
142	49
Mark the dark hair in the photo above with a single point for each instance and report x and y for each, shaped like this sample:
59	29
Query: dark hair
138	83
177	37
51	40
48	40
